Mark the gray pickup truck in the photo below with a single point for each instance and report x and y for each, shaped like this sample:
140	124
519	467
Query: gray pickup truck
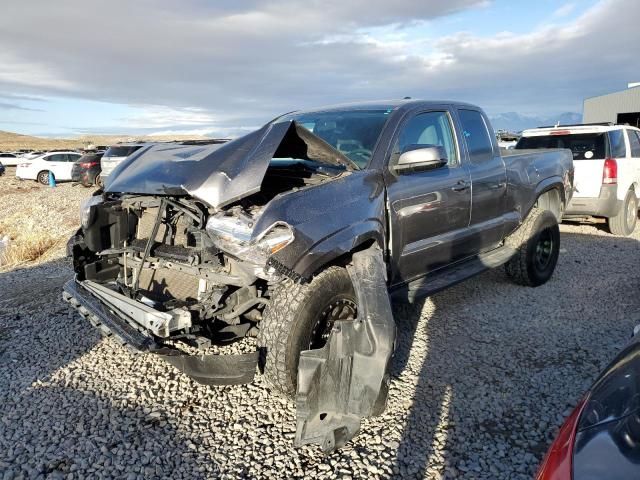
297	235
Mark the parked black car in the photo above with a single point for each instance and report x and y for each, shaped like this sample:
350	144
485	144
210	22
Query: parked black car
86	170
601	437
1	169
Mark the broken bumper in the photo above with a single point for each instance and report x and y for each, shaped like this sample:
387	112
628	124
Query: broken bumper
206	369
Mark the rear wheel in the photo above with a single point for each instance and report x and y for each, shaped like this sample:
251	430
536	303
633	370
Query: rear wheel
98	181
624	223
537	245
300	317
43	177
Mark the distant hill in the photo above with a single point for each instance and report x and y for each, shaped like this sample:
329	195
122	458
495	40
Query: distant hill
14	141
515	122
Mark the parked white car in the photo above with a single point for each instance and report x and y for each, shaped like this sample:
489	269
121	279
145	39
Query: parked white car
58	163
9	159
606	158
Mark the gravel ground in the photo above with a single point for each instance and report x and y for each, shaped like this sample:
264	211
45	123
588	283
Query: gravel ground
483	376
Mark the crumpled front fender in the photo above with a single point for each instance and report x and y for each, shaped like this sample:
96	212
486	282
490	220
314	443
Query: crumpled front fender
347	380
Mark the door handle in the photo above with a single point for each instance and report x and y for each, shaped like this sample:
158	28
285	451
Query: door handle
461	186
496	186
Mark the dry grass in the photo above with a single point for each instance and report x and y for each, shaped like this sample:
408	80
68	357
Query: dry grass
27	243
28	249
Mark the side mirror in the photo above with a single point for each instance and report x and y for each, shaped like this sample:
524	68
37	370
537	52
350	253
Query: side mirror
419	158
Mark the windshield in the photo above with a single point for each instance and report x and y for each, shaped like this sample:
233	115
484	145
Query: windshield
584	146
121	151
353	133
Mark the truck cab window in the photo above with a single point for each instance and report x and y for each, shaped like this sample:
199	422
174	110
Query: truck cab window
476	135
429	129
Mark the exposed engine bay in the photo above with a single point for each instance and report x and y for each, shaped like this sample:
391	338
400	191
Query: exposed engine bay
202	273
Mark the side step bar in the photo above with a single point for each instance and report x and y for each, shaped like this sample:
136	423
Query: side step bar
433	283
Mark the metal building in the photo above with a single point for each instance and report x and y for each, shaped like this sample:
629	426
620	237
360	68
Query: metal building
617	107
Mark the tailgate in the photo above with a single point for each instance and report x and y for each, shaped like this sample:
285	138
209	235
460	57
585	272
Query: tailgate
587	177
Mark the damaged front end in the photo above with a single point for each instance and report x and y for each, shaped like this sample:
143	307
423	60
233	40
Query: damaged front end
151	272
172	258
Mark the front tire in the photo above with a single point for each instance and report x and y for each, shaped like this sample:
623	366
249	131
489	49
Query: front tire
300	317
624	223
43	177
537	245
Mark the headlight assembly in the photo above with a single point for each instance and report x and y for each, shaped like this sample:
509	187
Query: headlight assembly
87	212
233	235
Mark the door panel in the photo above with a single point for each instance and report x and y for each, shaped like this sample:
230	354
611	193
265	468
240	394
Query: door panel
634	147
55	163
429	210
488	181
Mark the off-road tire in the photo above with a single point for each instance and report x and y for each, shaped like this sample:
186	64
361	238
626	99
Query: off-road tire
524	268
43	177
624	223
288	321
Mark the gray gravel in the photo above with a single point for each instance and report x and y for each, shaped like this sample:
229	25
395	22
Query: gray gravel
484	374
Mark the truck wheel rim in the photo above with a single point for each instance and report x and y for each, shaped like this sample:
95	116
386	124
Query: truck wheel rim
343	309
544	249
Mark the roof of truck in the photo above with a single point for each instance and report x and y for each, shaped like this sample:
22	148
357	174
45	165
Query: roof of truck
385	105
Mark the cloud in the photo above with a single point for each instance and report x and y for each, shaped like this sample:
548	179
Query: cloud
234	64
565	10
17	106
163	117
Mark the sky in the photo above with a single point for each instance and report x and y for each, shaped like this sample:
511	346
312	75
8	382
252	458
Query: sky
222	68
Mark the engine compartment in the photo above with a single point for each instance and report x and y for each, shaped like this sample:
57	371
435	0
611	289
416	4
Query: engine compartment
176	254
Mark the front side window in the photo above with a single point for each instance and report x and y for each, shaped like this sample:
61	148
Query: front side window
428	130
634	142
476	135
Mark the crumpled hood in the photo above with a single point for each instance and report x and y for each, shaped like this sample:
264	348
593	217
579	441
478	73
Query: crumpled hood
219	174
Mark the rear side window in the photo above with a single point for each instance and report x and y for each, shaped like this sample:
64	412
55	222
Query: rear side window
476	135
617	145
584	146
120	151
634	142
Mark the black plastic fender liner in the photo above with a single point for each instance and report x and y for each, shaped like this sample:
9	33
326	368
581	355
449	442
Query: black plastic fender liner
347	379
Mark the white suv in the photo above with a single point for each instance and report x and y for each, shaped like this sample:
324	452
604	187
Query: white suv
607	169
114	156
